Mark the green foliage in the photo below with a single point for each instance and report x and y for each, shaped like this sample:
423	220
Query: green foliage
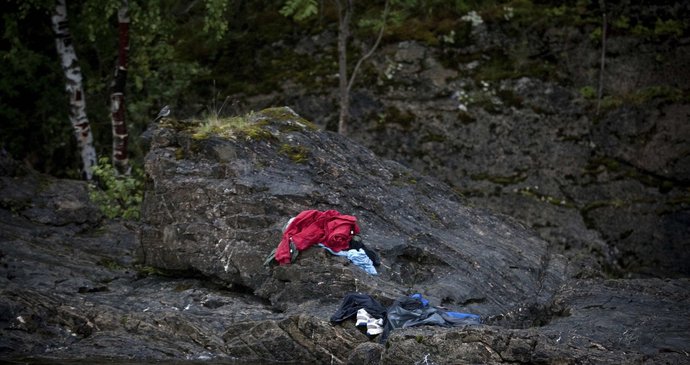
177	47
117	195
669	27
299	9
595	35
588	92
215	23
34	126
167	51
623	22
160	70
557	11
655	29
91	24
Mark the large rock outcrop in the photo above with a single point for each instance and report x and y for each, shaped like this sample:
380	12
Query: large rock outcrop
194	287
217	206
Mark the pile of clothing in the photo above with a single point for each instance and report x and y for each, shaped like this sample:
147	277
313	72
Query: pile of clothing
335	232
408	311
368	311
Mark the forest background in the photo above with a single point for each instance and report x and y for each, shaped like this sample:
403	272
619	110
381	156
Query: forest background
204	57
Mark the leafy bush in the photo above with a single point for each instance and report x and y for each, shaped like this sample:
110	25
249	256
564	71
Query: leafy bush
117	195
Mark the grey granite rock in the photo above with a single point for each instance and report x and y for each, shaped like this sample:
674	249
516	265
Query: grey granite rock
192	286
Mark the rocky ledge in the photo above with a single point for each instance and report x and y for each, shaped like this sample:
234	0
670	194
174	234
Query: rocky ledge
193	285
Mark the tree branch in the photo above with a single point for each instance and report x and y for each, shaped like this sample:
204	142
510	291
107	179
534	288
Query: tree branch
371	51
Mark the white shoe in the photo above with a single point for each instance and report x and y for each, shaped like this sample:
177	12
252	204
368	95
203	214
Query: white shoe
362	317
374	326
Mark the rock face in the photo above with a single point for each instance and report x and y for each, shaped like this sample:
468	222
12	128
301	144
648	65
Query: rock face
610	188
193	285
221	216
503	116
69	288
545	162
601	322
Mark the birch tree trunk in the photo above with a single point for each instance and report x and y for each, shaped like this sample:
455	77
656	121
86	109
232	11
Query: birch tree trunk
73	86
117	97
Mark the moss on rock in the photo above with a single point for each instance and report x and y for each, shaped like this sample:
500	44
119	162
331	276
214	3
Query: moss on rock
298	154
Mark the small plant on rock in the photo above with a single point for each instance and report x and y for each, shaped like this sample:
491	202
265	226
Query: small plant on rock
115	194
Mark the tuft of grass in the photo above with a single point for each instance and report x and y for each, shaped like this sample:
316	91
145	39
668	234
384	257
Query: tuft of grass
223	127
232	127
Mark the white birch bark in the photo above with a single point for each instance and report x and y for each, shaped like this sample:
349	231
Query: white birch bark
74	87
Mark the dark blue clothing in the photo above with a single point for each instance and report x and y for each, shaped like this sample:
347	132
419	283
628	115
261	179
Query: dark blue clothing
415	311
354	302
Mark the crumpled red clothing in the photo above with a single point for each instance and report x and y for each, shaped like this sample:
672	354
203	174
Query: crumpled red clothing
310	227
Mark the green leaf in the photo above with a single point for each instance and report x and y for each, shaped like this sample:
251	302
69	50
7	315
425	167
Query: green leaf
299	9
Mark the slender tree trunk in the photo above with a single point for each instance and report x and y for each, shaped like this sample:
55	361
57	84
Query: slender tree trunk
602	62
371	51
73	86
346	86
344	15
117	97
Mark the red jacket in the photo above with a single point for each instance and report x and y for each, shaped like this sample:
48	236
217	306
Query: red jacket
310	227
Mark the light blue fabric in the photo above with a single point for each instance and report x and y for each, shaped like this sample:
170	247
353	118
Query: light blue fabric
357	257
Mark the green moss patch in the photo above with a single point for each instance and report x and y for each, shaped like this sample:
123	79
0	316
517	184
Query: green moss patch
298	154
288	121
